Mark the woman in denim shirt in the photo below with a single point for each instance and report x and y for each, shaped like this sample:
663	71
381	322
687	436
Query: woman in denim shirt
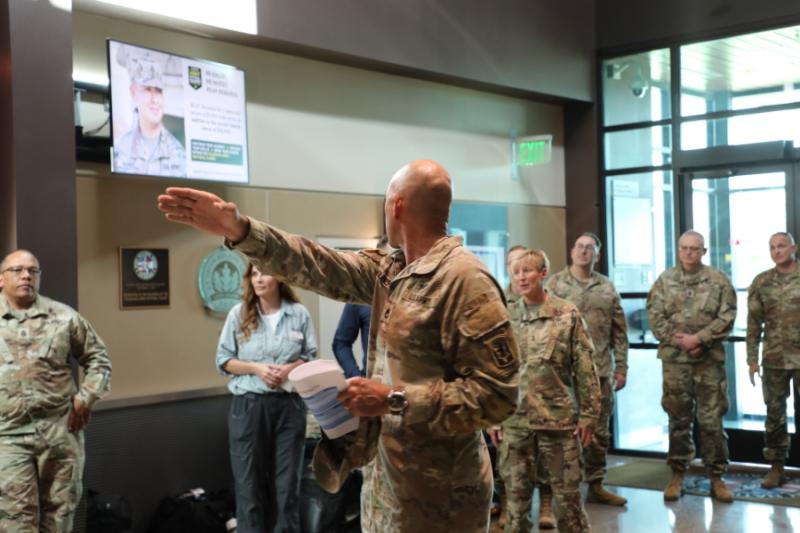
264	338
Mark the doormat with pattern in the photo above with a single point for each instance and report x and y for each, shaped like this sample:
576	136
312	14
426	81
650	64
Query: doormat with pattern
744	485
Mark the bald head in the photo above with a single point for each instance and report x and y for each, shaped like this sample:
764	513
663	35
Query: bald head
425	191
22	255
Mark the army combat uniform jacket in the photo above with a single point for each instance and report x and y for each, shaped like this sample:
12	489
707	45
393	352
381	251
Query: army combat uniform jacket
36	344
600	307
439	328
131	155
702	303
559	388
773	305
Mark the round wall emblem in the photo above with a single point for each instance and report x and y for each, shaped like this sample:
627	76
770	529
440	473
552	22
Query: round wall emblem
145	265
220	279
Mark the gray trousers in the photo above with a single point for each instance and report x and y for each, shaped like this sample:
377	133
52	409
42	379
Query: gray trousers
267	437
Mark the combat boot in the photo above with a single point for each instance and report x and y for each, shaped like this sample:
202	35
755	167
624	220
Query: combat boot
674	488
719	490
598	494
774	477
546	518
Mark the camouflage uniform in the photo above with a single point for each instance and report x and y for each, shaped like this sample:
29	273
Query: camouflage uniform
131	154
41	462
558	391
511	296
701	303
773	303
600	307
440	329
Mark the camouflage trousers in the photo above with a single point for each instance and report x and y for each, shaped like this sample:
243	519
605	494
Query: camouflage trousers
696	390
555	457
40	479
594	455
775	383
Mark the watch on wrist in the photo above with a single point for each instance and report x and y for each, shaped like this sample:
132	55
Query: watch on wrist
397	402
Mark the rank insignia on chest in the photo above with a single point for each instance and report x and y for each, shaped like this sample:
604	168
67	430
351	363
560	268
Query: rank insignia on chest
23	333
689	293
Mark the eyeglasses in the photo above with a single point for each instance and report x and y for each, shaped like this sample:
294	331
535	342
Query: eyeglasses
694	249
17	271
588	247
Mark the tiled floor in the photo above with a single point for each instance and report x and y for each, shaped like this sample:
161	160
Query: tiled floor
647	512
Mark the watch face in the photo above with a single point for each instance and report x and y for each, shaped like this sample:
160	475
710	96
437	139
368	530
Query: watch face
397	402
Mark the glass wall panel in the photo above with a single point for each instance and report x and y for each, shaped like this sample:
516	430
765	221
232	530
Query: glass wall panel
745	129
640	227
641	423
742	72
484	229
639	331
637	88
645	147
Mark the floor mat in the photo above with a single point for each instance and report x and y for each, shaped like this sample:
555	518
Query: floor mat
744	485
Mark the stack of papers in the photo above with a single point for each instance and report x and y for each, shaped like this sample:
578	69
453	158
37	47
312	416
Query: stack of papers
318	383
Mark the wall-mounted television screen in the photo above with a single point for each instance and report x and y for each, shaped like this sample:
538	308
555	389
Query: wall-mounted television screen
175	116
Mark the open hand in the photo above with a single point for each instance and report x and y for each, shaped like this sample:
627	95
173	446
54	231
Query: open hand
584	434
754	370
204	211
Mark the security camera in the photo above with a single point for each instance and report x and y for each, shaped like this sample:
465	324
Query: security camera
639	86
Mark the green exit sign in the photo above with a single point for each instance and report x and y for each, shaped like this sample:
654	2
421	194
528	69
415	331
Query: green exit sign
533	150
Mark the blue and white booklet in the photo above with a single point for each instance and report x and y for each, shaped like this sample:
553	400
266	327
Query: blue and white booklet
318	383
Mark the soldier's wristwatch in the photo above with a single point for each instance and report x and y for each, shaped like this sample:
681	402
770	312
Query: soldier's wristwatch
397	402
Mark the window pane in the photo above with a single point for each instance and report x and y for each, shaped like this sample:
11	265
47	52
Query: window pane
739	244
484	229
636	88
745	129
640	225
641	423
646	147
742	72
639	331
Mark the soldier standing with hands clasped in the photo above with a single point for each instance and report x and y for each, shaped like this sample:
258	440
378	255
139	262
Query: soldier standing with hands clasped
691	309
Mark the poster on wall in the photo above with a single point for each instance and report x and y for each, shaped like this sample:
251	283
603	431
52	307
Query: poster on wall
143	277
176	116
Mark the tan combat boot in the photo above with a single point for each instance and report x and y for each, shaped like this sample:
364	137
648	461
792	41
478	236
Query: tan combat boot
598	494
546	518
774	477
674	488
719	490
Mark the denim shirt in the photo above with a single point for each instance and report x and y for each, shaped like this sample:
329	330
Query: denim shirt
355	318
293	339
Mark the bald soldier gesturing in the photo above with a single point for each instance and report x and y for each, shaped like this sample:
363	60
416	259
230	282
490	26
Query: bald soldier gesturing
442	360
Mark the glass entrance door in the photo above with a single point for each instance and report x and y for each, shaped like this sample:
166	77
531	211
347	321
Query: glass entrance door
737	212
